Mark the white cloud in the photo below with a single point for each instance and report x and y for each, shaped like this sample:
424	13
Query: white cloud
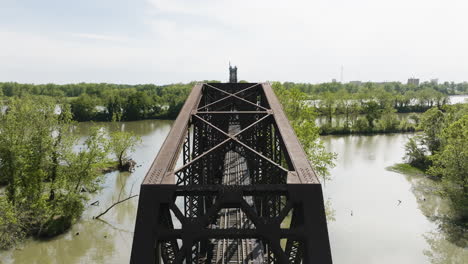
309	40
295	40
101	37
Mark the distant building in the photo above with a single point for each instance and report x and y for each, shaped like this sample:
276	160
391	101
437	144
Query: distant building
333	80
384	82
413	81
435	81
355	82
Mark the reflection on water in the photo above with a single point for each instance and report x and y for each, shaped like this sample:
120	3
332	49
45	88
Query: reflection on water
368	224
446	243
339	120
458	99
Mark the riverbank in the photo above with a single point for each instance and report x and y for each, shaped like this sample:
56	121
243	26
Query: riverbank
407	169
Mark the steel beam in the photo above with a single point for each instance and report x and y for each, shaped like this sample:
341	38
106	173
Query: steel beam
247	121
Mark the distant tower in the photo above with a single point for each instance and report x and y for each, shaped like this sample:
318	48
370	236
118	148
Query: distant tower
232	73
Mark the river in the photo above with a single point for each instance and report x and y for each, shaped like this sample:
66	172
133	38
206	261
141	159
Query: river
368	225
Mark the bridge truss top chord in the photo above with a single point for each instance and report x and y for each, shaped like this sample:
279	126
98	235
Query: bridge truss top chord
244	191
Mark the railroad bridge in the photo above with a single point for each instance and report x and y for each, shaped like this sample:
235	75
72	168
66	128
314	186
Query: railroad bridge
231	184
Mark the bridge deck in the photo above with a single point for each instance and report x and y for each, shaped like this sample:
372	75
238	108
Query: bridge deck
225	251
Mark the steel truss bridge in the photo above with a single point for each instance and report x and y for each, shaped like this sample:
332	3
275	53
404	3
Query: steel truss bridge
231	184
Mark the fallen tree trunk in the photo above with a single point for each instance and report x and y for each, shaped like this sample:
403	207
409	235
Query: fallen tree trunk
114	204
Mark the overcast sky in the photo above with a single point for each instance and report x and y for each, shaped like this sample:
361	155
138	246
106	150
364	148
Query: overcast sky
166	41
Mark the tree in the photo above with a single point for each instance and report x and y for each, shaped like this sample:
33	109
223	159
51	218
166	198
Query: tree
388	120
451	164
347	106
11	228
432	122
121	143
302	117
415	153
372	112
84	108
45	177
327	103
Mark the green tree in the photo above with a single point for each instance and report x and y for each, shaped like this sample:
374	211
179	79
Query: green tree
84	108
121	143
372	112
432	122
45	177
11	227
302	118
388	120
451	163
327	103
346	105
415	153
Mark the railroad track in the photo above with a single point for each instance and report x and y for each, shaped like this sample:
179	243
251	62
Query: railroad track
228	251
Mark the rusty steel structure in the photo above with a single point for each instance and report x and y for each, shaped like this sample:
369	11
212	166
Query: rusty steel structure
231	184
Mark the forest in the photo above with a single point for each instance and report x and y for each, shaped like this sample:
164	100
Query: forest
103	102
342	108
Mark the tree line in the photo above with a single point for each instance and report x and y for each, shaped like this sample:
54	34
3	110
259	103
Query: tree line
410	90
440	150
345	108
104	102
373	107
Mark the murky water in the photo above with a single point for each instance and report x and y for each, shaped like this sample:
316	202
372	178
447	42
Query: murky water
369	225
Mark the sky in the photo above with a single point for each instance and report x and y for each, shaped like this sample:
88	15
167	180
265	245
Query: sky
169	41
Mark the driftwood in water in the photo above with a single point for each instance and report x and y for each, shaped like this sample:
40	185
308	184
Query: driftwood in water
114	204
130	196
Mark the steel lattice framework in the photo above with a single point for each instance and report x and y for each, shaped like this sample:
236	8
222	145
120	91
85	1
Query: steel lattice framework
244	191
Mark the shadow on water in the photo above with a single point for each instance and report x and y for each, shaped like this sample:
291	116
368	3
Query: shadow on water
94	247
448	243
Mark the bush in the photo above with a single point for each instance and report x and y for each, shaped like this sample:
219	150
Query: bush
406	126
415	153
11	227
326	128
361	125
388	123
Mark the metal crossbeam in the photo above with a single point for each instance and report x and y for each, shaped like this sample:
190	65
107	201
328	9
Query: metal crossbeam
245	185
